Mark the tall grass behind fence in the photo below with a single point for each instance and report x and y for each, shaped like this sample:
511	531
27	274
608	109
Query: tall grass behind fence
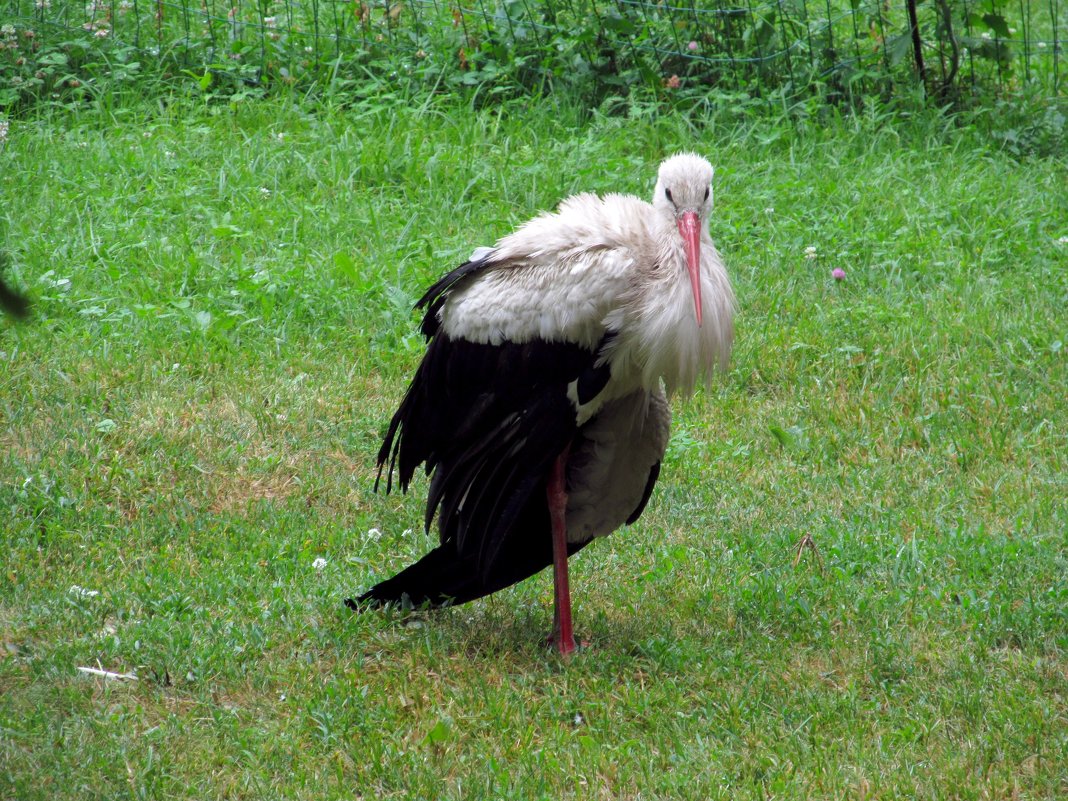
836	48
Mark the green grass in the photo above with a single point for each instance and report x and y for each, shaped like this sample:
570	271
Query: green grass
221	331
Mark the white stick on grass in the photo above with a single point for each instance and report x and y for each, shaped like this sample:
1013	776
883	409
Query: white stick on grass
107	674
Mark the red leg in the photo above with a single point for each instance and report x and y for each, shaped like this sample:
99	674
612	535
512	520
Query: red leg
563	636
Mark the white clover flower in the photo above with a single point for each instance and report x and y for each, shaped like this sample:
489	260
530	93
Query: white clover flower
810	252
270	21
1041	45
81	592
42	4
319	563
4	126
373	533
1063	240
769	210
48	279
7	30
985	34
169	154
265	191
100	33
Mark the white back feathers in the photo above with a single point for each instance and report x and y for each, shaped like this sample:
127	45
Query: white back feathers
611	264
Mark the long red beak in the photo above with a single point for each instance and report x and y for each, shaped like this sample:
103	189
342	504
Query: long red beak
690	230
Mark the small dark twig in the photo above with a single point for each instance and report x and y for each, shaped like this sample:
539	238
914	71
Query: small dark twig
917	45
954	63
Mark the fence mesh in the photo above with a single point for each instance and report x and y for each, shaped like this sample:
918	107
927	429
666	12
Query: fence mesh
839	47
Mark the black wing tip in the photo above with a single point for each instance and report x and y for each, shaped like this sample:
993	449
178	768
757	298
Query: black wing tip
360	604
13	303
375	599
389	477
369	601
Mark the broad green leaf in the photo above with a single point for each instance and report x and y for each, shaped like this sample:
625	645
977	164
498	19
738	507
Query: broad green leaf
438	734
997	24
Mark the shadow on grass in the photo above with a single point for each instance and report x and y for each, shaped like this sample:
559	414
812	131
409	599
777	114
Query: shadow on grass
515	632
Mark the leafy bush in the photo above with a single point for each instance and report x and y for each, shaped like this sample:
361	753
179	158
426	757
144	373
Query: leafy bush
843	53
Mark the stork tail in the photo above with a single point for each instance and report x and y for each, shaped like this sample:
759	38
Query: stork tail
445	578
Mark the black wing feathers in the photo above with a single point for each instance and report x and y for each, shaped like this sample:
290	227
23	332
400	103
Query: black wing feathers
444	576
596	376
434	298
487	421
11	301
463	392
470	404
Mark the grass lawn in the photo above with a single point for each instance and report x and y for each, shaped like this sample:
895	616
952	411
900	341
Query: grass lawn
221	330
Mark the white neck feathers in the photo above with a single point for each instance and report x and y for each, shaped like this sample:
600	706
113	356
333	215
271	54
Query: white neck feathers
659	337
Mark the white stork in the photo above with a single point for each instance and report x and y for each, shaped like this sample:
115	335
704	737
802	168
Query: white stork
539	408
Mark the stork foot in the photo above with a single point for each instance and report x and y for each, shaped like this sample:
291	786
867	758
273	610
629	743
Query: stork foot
565	646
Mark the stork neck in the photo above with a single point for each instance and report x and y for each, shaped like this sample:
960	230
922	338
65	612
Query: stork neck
659	337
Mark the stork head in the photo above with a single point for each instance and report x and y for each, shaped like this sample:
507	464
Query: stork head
683	196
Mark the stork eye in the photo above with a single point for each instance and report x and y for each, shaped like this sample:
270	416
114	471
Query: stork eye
667	193
707	190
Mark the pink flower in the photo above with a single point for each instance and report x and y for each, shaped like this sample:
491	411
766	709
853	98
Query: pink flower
674	82
838	274
692	46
